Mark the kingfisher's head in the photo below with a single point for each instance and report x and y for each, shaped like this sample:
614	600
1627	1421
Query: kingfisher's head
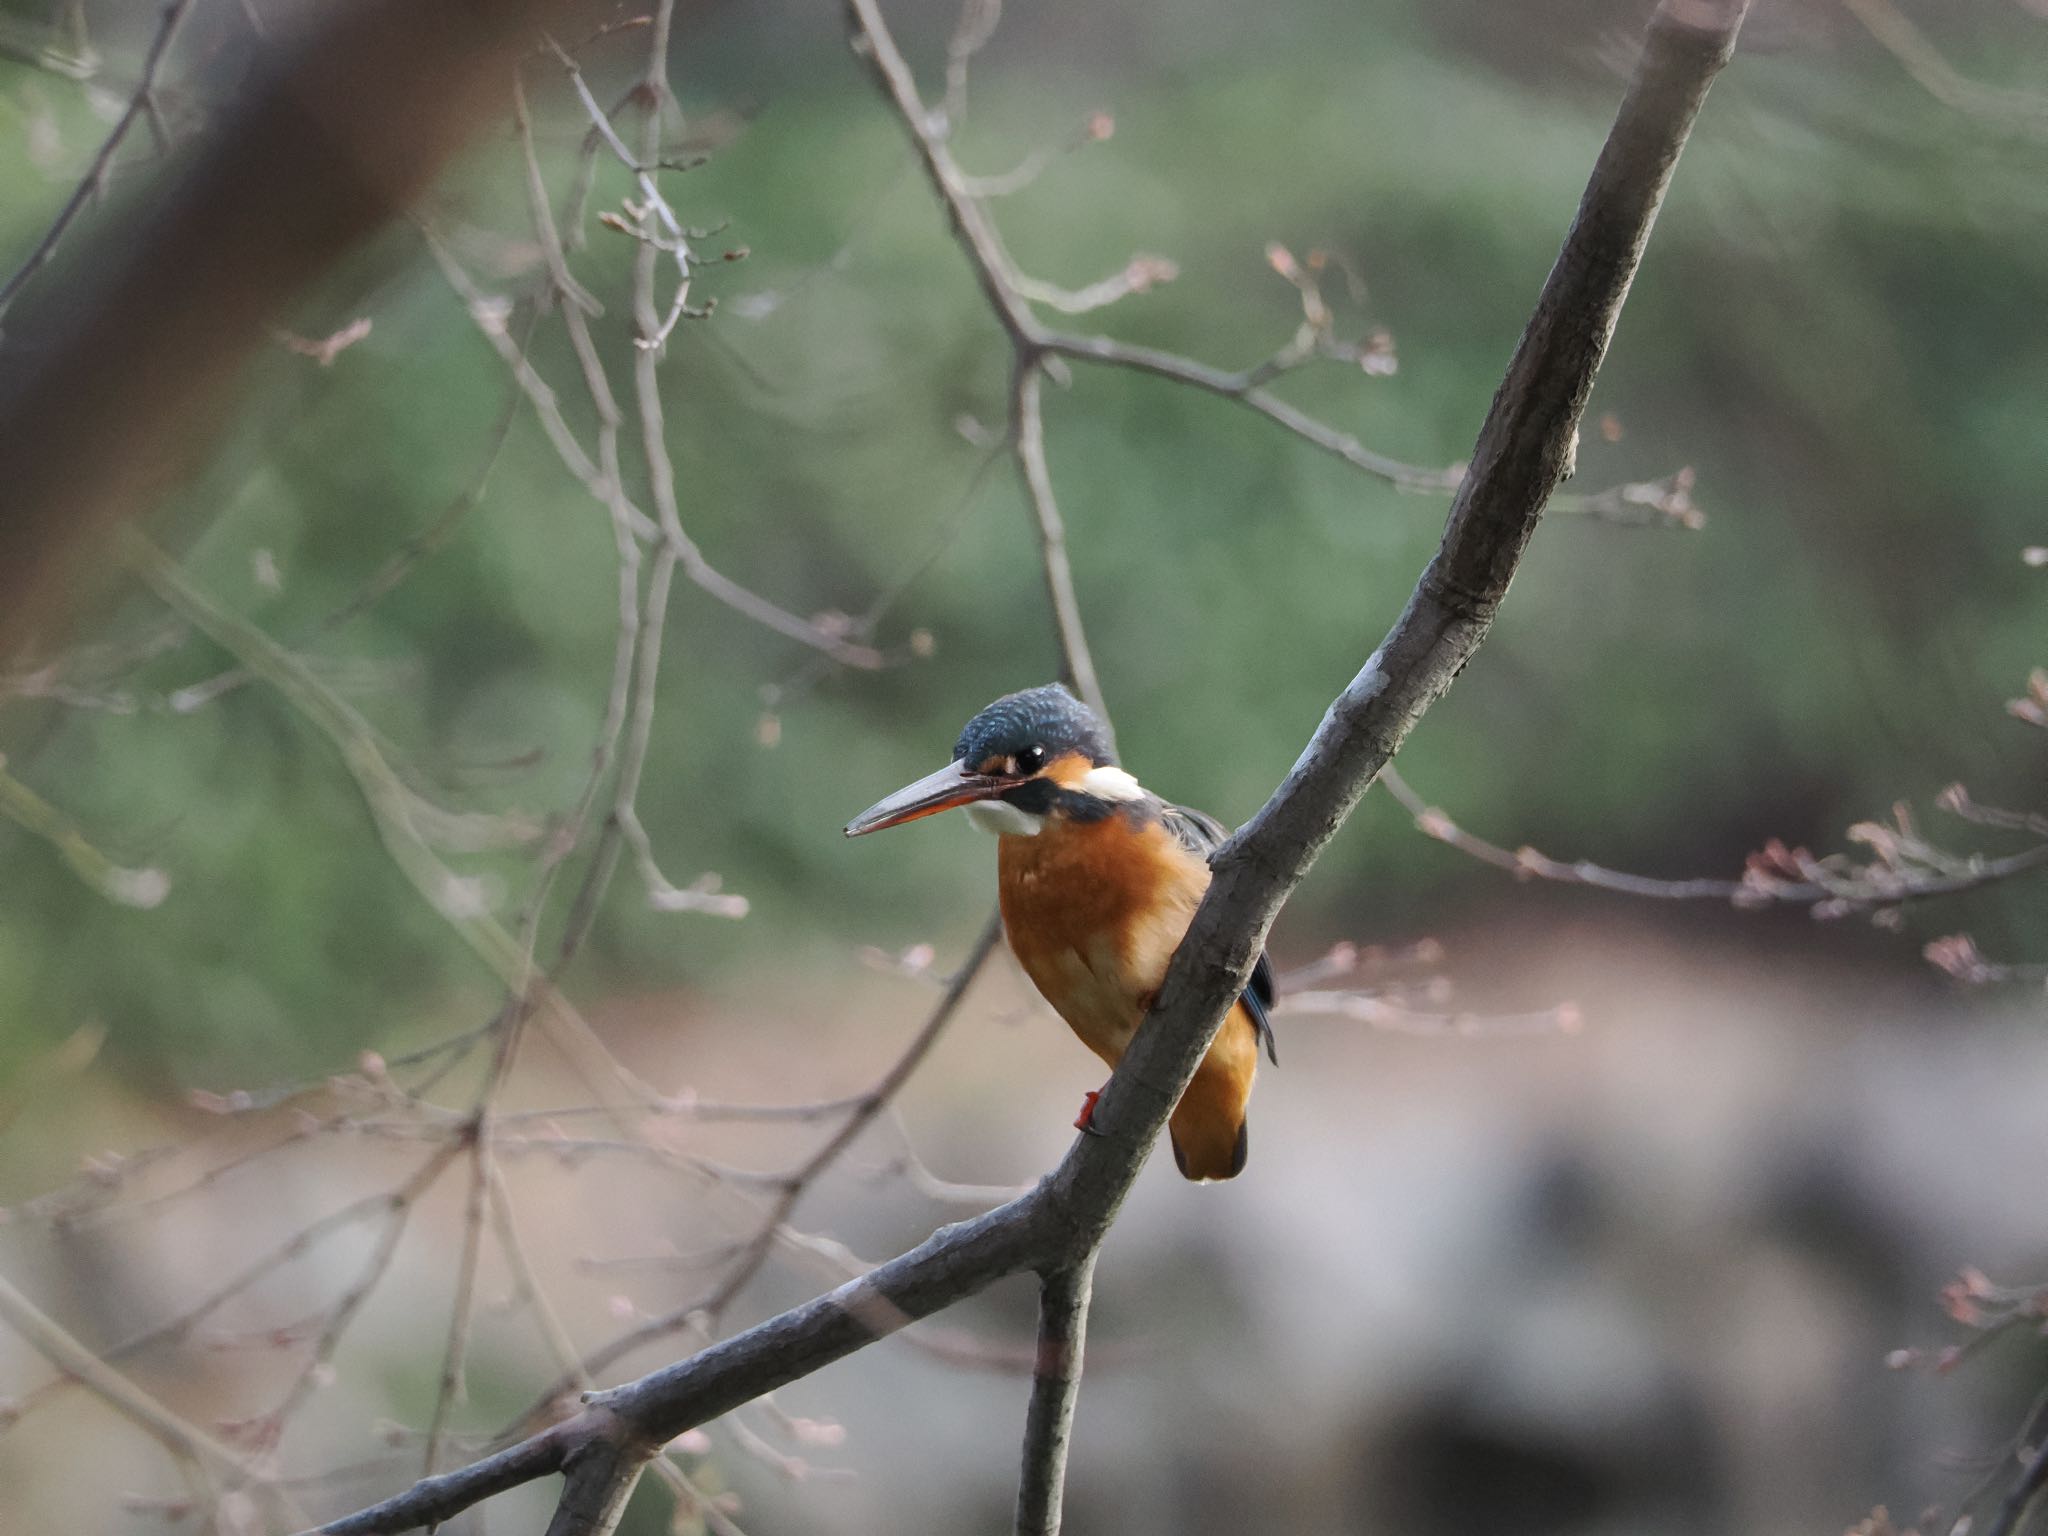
1027	758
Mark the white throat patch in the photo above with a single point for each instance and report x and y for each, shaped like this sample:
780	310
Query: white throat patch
1002	819
1110	783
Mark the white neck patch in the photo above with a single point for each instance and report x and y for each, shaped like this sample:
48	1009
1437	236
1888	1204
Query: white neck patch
1002	819
1006	820
1110	783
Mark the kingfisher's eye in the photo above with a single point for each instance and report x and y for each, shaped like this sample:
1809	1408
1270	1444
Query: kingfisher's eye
1030	760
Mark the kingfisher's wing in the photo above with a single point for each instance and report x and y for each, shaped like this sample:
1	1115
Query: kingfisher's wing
1202	834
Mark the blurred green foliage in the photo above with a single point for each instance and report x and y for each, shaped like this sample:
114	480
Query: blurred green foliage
1837	326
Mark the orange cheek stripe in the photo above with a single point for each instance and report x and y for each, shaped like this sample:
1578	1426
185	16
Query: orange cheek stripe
1067	770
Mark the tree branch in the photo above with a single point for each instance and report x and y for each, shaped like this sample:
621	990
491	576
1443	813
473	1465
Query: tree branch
1904	867
1027	436
599	1476
80	1364
1009	293
1055	1385
864	1109
94	183
1524	449
2019	1498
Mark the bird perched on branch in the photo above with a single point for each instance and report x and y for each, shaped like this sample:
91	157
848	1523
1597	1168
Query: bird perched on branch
1099	879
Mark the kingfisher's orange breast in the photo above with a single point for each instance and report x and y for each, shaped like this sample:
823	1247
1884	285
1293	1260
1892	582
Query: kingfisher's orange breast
1094	911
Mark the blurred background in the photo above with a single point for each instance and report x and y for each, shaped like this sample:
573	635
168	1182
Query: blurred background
1483	1274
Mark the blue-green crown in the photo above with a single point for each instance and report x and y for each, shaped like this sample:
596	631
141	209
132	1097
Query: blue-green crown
1048	717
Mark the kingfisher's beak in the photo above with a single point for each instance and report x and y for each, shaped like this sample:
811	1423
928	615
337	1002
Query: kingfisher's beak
952	785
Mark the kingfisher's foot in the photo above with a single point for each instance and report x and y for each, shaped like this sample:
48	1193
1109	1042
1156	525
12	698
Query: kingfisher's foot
1085	1121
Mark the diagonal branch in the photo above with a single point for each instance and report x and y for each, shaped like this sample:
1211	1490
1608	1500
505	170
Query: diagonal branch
2020	1497
1523	451
186	1442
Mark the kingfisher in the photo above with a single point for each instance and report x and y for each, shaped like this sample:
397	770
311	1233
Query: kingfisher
1099	879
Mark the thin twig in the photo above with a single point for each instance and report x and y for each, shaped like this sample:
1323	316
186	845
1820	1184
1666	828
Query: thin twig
1635	502
128	886
756	1248
395	568
1006	290
182	1439
452	1386
676	546
1908	869
1028	438
141	104
488	315
2020	1497
399	1212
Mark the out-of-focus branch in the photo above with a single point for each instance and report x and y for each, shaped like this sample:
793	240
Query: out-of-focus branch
391	572
1009	293
754	1250
487	314
111	387
2017	111
1903	866
131	887
93	184
2020	1497
1523	451
182	1440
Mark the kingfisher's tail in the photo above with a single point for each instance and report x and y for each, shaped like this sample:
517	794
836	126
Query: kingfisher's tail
1208	1149
1208	1125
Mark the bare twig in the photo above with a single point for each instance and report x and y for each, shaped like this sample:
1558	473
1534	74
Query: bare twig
130	887
391	572
971	34
183	1440
1636	502
298	1244
864	1108
1904	867
398	1213
1027	425
1008	292
2020	1497
676	546
488	315
141	104
453	1383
